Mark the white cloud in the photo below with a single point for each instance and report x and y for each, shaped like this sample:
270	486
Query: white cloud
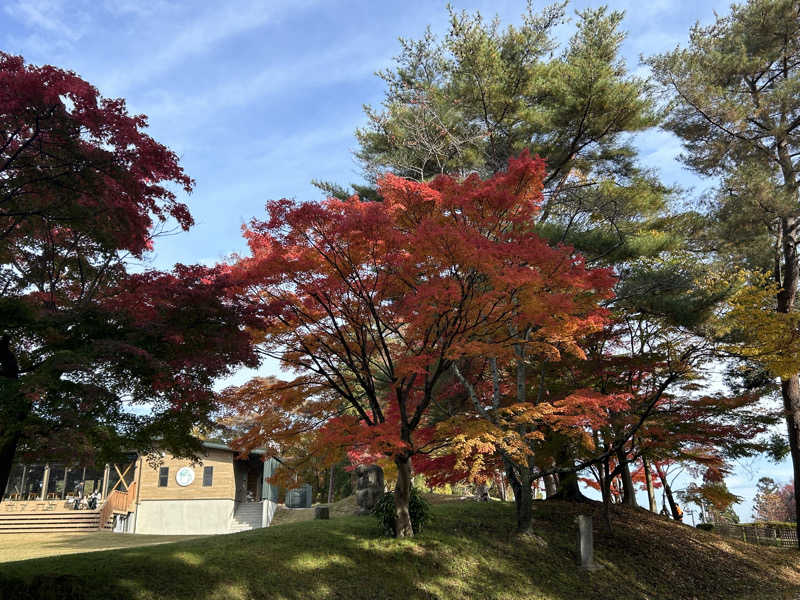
136	7
49	15
190	38
342	63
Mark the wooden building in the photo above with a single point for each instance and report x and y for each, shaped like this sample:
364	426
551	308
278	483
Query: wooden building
218	493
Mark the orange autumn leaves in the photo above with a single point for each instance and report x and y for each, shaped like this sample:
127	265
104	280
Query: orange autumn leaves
370	304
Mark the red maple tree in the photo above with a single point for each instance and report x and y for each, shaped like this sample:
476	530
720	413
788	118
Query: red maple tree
371	304
83	190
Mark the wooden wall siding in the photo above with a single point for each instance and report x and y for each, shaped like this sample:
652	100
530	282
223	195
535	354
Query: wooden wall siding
222	486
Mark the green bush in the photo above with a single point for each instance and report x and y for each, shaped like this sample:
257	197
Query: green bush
705	526
418	508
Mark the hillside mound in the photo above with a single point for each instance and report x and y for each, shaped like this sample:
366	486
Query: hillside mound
467	551
346	507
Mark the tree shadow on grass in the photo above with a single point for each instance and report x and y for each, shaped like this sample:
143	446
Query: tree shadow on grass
466	553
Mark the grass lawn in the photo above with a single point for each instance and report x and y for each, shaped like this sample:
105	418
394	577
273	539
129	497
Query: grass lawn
466	552
22	546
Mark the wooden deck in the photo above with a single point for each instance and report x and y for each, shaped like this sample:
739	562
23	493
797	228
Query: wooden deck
48	516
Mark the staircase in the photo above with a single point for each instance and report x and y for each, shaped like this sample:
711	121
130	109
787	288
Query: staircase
246	516
50	522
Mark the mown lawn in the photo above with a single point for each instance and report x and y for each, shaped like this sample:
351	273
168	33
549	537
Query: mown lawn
467	552
22	546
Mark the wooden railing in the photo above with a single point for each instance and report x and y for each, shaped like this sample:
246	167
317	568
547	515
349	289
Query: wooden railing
118	501
763	534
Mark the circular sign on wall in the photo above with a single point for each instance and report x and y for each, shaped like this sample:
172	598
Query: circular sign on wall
184	476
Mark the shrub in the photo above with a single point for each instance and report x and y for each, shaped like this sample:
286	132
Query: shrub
705	526
418	508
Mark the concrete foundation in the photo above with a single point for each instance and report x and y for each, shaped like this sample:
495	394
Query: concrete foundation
184	517
268	511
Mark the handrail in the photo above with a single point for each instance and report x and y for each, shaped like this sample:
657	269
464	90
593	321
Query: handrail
117	502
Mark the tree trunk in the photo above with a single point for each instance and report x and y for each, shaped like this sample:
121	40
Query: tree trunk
651	491
629	492
605	489
569	489
525	503
790	390
12	415
668	491
601	479
8	448
330	486
616	490
402	495
516	488
550	487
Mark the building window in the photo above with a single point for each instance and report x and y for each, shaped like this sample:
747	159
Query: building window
208	476
163	476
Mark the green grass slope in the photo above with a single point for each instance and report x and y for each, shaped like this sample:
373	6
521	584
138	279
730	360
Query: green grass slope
466	552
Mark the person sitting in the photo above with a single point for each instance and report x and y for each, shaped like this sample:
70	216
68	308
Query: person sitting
78	496
679	512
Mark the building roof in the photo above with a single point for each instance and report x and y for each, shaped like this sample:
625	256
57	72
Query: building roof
222	446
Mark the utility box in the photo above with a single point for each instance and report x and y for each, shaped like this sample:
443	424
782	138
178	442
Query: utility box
299	497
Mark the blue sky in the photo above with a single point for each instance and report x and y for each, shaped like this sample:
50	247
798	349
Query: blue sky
260	97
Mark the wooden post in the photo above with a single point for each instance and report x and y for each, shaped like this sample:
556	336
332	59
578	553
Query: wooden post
66	478
45	481
106	475
22	483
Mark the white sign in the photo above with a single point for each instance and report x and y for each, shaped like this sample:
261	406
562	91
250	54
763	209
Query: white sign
184	476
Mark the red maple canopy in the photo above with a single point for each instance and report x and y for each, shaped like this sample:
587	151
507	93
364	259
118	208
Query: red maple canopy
371	303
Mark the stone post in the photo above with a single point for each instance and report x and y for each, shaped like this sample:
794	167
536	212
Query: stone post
369	487
586	543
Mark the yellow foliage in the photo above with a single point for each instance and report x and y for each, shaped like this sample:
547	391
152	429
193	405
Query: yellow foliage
760	332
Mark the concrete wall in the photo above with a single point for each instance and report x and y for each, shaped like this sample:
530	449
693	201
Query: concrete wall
268	511
124	523
184	517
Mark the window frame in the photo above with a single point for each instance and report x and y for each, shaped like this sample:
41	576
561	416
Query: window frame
208	476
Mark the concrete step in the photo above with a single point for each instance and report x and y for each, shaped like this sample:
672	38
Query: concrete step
246	517
248	522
